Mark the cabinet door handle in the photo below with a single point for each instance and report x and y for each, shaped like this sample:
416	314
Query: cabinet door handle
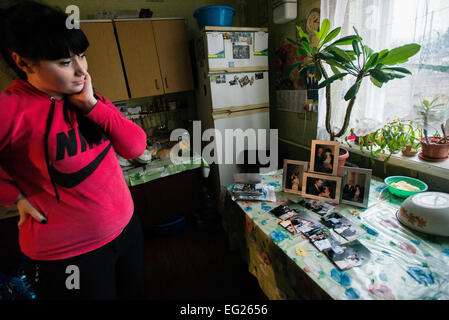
157	84
166	82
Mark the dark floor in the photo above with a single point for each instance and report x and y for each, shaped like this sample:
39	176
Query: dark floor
196	263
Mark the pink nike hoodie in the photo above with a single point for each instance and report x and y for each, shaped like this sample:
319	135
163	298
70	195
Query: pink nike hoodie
65	164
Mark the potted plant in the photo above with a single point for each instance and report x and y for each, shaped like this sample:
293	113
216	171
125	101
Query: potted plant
432	115
393	137
360	61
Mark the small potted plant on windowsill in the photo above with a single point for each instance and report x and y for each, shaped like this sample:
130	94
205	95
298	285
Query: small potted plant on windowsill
433	115
393	137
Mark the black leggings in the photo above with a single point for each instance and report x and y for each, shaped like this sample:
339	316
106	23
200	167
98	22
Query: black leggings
114	271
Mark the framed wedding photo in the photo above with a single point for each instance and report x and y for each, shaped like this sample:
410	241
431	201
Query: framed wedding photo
324	157
355	186
321	187
293	172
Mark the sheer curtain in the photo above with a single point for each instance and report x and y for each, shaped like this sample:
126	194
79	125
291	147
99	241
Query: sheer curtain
386	25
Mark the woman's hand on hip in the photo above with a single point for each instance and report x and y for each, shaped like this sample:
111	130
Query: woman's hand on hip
26	209
84	100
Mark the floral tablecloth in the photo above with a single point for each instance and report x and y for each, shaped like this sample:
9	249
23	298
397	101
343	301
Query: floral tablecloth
161	168
404	264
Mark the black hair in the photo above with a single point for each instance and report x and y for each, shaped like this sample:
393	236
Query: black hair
37	32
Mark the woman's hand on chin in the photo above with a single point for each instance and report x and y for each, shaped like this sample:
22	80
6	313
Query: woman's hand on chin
84	100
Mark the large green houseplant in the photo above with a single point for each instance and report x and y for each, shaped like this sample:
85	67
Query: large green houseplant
358	61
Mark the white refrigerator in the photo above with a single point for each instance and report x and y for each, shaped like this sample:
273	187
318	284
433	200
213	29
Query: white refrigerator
233	94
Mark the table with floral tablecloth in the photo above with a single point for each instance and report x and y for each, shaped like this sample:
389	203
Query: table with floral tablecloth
404	264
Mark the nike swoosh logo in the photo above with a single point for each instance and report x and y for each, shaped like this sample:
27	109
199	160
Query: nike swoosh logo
70	180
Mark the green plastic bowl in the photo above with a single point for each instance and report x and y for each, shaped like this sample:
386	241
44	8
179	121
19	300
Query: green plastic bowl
403	193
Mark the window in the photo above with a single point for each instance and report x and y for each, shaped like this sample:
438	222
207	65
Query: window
385	25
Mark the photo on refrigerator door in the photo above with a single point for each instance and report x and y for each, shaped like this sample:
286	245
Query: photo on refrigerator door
240	52
244	81
259	75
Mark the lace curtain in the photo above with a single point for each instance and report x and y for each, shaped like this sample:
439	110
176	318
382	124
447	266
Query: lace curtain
386	25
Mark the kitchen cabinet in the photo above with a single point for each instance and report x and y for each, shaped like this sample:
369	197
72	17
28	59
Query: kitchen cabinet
140	57
155	55
103	59
174	57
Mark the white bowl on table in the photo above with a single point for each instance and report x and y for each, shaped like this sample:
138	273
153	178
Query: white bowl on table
426	212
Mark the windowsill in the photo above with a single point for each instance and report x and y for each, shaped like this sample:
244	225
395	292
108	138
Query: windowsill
440	169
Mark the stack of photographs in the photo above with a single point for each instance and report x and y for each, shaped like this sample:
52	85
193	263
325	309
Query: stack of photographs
342	226
248	189
268	194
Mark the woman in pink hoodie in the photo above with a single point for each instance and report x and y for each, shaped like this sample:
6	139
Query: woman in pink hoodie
58	145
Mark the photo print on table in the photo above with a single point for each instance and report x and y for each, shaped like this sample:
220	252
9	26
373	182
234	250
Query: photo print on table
343	226
355	186
321	187
293	173
324	157
320	207
348	255
299	223
321	238
283	212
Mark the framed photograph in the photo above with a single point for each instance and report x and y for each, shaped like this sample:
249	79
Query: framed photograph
293	172
355	186
321	187
324	157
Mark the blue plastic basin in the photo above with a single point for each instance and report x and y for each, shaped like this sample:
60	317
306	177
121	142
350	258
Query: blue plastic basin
169	228
214	16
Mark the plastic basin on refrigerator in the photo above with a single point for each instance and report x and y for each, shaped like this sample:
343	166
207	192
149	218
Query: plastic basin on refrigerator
214	16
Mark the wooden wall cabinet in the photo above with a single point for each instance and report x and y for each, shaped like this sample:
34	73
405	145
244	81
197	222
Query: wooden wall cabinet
104	65
156	56
154	52
174	57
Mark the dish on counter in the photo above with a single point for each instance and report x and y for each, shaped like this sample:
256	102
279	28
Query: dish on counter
426	212
394	181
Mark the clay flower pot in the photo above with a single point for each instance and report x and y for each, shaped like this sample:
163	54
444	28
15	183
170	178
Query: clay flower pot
344	154
408	151
434	151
